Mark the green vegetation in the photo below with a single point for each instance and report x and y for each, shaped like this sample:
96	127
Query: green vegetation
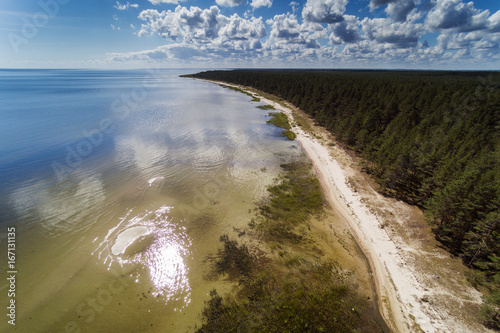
288	291
266	107
234	255
490	311
429	138
254	98
279	119
321	303
295	196
238	90
290	135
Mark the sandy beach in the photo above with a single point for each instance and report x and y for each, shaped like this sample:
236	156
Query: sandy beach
419	286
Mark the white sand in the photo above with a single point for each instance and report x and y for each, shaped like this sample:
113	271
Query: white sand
410	299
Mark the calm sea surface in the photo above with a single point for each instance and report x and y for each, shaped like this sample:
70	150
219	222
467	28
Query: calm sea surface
119	184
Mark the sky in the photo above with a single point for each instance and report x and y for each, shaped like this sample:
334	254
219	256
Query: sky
392	34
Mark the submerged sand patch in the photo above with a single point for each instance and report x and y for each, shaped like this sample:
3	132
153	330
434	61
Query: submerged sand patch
127	238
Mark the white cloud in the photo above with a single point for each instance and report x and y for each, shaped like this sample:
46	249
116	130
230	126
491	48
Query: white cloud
494	22
206	36
229	3
181	53
455	15
285	29
206	28
114	27
400	9
346	31
172	2
384	30
475	40
126	6
261	3
294	5
377	3
324	11
242	29
191	24
397	9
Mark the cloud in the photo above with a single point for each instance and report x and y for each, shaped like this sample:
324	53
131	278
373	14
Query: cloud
294	5
377	3
399	10
494	22
191	24
181	53
114	27
229	3
242	29
206	36
126	6
261	3
206	27
172	2
455	15
164	24
285	29
384	30
324	11
475	40
346	31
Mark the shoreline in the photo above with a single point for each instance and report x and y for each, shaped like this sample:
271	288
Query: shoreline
410	295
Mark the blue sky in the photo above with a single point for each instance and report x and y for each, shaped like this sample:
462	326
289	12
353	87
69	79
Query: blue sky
435	34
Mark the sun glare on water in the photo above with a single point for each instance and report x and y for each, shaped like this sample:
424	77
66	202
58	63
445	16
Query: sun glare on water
152	241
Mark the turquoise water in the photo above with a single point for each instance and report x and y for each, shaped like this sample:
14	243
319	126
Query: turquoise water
119	184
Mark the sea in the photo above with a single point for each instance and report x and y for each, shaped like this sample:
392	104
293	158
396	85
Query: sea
115	187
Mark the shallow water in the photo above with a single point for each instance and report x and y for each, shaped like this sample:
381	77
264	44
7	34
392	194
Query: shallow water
119	184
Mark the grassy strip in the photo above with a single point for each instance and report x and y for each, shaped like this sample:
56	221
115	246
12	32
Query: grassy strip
239	90
294	197
266	107
254	98
279	119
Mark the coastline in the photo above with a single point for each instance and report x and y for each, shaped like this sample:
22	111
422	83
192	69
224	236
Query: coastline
418	287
